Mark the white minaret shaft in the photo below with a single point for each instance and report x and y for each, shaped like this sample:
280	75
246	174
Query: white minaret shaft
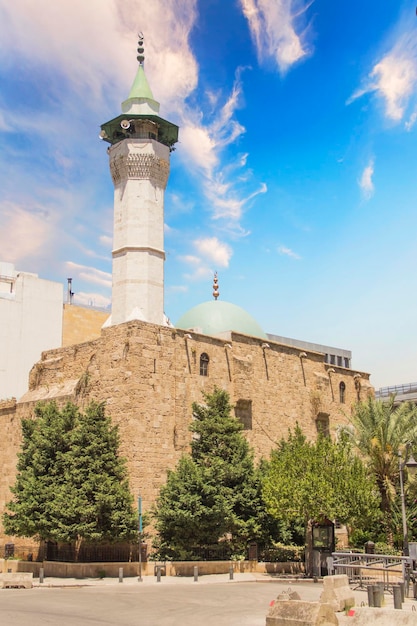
141	142
139	169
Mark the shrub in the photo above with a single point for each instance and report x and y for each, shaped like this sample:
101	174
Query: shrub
278	553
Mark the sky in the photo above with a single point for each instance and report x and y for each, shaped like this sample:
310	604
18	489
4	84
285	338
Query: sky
295	174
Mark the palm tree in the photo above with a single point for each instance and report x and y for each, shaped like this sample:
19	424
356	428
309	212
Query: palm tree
380	431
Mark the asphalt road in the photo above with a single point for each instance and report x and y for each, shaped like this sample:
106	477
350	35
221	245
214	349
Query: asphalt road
222	604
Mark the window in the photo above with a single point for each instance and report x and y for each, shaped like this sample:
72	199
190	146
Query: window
204	363
342	389
243	412
346	362
339	361
332	359
322	424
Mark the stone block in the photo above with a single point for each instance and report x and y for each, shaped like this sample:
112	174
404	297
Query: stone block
366	616
298	613
337	593
16	580
289	594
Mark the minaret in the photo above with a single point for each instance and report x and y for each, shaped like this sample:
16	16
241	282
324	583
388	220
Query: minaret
139	154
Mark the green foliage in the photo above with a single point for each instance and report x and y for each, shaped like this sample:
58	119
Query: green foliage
214	493
71	484
380	431
315	480
280	553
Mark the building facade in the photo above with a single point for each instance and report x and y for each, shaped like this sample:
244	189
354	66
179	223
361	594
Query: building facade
30	322
149	375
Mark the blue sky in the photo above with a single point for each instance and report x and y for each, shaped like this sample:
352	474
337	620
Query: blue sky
295	176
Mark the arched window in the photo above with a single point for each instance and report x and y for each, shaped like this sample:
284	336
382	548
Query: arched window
342	389
204	363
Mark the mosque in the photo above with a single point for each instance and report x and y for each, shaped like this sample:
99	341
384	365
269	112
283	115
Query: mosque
149	372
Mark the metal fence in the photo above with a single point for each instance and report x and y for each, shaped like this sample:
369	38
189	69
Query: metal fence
368	569
396	389
89	553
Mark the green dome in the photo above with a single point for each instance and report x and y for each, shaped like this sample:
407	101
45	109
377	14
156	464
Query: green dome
215	317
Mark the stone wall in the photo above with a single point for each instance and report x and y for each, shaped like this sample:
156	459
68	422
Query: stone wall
81	323
149	375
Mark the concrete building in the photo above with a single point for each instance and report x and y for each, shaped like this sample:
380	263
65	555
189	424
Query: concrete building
30	322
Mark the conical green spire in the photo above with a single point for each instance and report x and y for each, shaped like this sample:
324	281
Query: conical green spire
140	87
140	99
139	106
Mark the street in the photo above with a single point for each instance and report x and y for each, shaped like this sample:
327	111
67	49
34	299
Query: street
219	604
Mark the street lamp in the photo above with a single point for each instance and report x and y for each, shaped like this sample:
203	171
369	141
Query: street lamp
411	465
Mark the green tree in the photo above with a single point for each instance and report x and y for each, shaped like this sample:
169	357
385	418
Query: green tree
214	493
308	481
380	431
71	485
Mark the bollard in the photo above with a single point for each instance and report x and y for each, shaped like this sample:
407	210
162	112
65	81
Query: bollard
158	573
402	587
41	573
377	596
196	573
396	590
370	591
120	574
231	573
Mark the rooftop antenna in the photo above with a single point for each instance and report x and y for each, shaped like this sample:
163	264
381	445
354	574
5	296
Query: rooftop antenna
216	292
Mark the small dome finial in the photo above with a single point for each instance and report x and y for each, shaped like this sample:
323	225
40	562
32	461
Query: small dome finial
215	286
141	50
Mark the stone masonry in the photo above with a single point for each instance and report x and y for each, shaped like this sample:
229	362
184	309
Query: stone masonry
149	375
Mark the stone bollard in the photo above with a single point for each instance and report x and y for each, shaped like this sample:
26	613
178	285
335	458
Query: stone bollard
158	573
377	596
402	587
120	574
370	591
396	592
196	573
231	573
41	574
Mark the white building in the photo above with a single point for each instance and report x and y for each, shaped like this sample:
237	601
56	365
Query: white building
30	322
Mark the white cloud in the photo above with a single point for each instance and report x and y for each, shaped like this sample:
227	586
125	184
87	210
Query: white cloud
178	289
106	241
283	250
212	249
413	119
90	43
190	259
273	26
201	272
24	234
90	274
394	77
201	148
365	182
212	254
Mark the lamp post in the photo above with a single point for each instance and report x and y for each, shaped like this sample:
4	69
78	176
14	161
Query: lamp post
411	465
140	537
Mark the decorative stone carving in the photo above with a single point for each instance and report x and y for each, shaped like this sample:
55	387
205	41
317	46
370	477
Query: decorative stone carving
140	167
